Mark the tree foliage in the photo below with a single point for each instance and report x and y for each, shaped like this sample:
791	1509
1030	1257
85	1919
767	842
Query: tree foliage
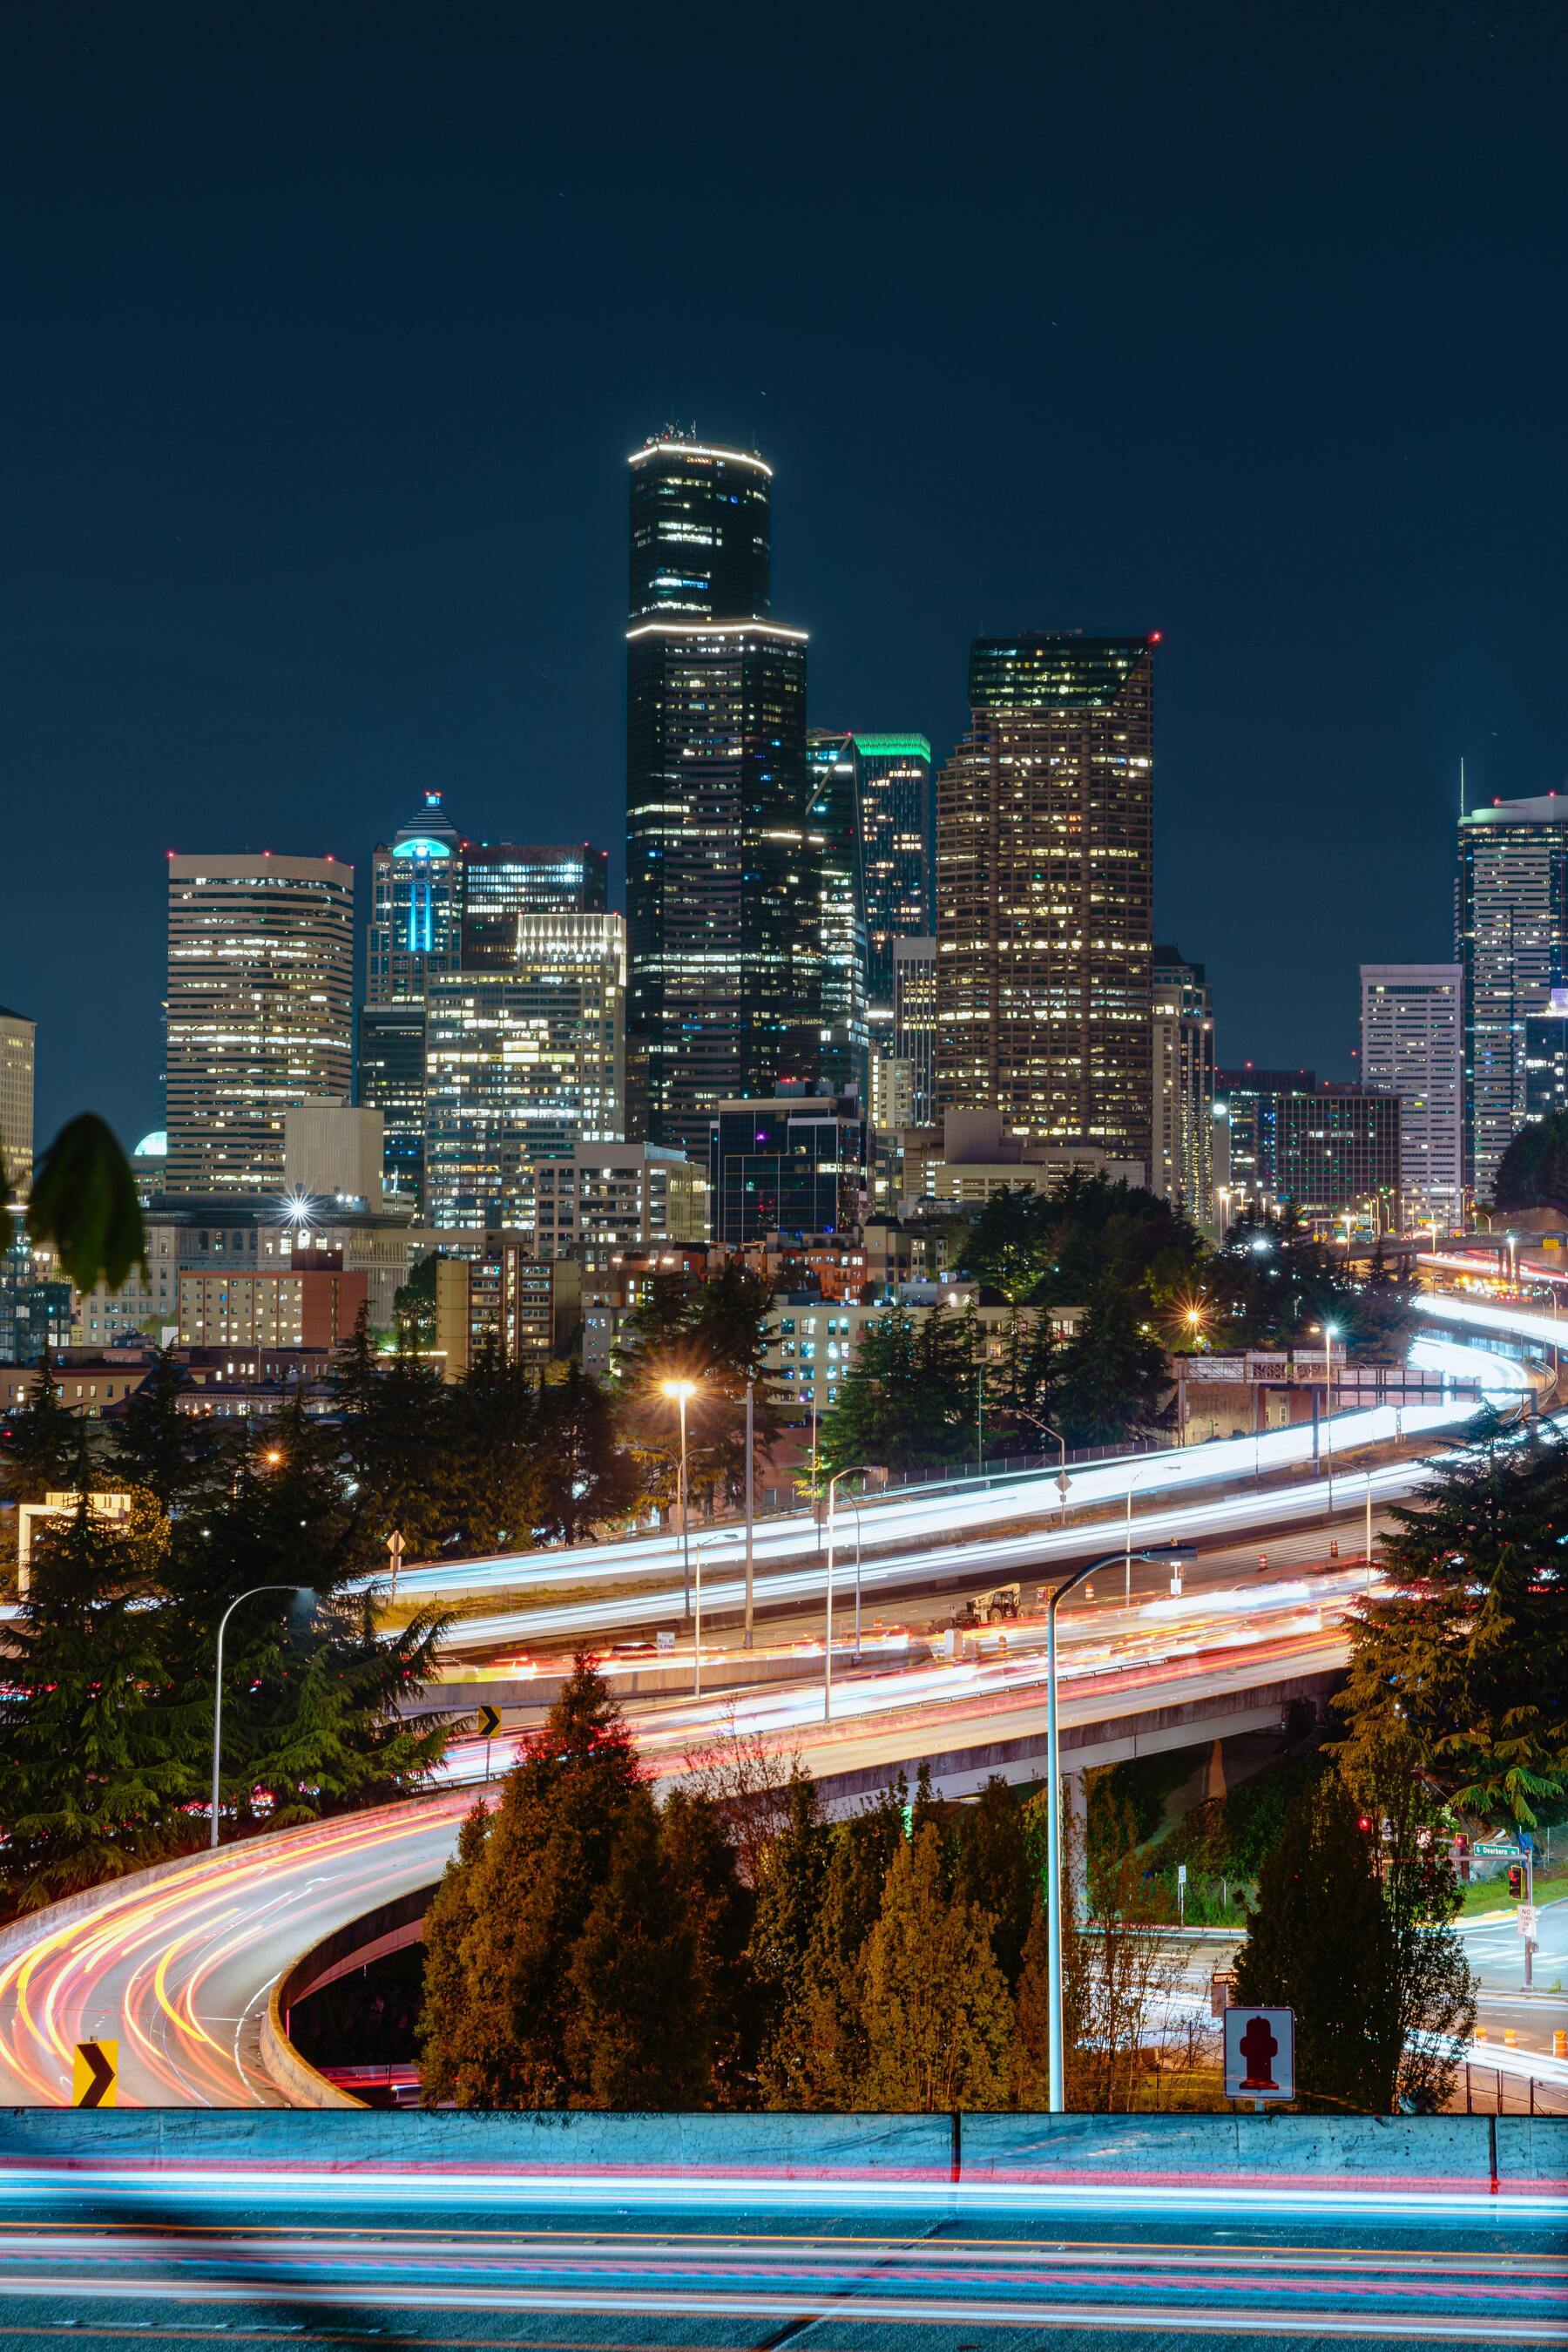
1467	1655
1533	1171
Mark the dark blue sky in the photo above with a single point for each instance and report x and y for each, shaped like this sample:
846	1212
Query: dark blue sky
327	334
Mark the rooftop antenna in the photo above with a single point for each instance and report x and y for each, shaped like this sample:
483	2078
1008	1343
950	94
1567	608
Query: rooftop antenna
1461	788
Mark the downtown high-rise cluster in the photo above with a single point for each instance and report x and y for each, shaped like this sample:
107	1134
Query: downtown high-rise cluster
853	989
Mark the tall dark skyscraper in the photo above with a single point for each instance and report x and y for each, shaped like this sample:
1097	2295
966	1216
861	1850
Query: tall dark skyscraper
893	795
1045	876
725	885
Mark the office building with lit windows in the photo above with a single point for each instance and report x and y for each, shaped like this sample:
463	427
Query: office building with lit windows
1181	1167
914	1021
18	1045
1044	891
892	775
521	1066
1512	945
260	1011
798	1164
415	906
725	887
1546	1060
1328	1150
1413	1044
834	848
505	881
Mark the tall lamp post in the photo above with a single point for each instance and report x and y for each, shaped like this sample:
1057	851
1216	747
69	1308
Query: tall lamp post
1177	1554
1330	1333
218	1682
856	1469
681	1391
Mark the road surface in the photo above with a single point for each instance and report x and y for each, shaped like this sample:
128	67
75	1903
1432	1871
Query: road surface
200	2268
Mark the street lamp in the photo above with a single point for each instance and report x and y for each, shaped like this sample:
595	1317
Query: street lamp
1058	1440
863	1470
1132	1480
681	1391
1177	1554
1330	1333
218	1681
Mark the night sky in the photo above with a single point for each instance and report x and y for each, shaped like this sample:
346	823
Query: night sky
327	334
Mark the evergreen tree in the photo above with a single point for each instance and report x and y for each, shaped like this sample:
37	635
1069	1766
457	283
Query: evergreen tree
713	1333
588	1479
1112	1384
1434	1989
313	1693
453	2029
1320	1941
1533	1171
791	1881
1467	1654
995	1872
91	1772
817	2054
698	1854
635	2025
47	1439
907	1398
1012	1241
493	1461
499	1998
414	1306
174	1455
934	2007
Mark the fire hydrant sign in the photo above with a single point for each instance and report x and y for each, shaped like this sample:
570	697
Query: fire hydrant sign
1259	2054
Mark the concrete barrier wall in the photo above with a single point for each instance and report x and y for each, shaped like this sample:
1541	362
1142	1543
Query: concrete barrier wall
1452	2152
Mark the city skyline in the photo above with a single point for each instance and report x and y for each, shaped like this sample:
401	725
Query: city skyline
307	527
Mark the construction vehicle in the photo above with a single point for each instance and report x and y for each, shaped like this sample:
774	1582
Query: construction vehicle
990	1608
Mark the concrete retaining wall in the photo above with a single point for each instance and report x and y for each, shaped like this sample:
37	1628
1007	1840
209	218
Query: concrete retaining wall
1459	2154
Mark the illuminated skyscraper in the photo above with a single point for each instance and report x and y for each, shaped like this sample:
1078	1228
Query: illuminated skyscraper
505	881
725	887
17	1034
893	792
1511	942
1044	891
1181	1165
416	907
914	1023
260	1011
832	840
1412	1045
523	1065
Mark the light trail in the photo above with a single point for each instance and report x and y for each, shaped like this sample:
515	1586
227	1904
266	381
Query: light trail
1002	1499
179	1961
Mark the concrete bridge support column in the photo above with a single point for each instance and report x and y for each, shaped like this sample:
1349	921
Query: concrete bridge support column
1075	1804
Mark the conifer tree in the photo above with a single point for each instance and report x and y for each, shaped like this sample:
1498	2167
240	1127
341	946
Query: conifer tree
1320	1941
995	1870
1467	1654
46	1440
791	1878
638	2026
499	2000
934	2007
816	2054
174	1455
91	1777
1112	1383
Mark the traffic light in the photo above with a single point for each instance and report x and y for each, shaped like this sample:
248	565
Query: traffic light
1516	1881
1363	1823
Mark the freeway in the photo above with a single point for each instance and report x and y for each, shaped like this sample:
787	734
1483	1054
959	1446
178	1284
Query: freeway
963	1506
178	1963
585	2234
878	2278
